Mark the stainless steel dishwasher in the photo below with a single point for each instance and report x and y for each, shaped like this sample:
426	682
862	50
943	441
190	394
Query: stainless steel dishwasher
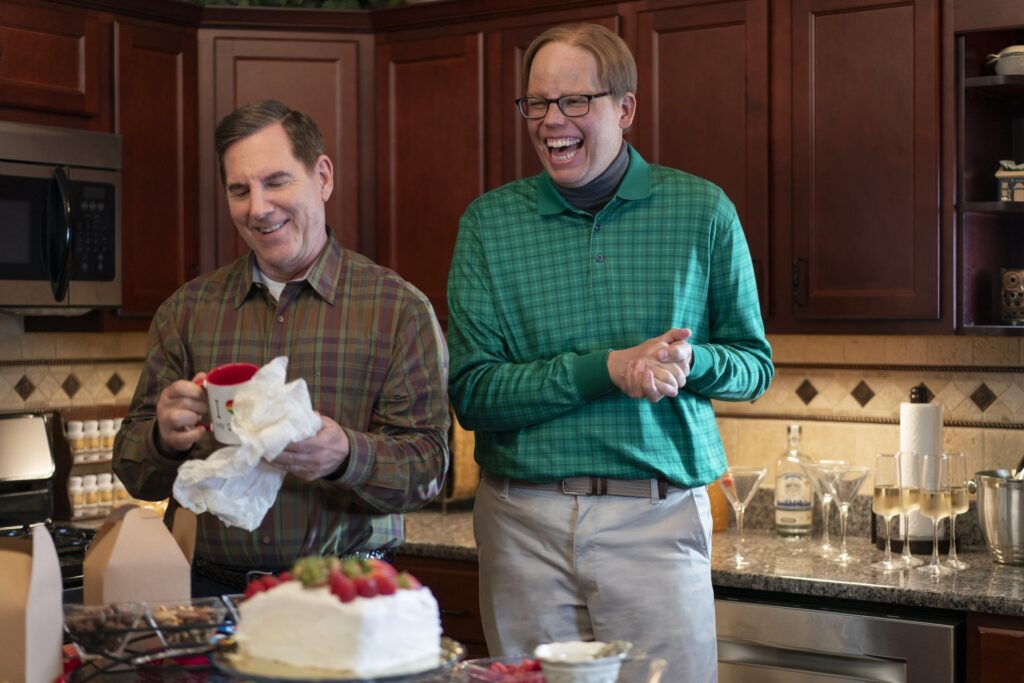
763	642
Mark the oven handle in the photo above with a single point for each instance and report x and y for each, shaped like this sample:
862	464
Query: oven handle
58	241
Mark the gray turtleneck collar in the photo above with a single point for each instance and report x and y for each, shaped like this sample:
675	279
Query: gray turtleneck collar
594	195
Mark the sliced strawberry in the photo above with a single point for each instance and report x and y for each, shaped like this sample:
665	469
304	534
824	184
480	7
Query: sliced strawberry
269	581
381	568
255	586
284	576
386	585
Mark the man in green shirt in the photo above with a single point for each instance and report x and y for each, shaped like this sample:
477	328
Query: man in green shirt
595	311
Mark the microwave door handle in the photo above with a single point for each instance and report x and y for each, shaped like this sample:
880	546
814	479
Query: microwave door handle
59	237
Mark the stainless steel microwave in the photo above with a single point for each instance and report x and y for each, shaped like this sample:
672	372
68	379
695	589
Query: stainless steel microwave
60	228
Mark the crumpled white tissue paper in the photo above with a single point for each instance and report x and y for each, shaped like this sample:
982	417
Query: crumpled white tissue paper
237	483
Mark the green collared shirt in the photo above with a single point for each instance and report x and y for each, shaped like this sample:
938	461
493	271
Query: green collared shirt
539	292
367	344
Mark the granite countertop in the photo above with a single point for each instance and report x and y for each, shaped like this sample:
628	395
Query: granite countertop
790	568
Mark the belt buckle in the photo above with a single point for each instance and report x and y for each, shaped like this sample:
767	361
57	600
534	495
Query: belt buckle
571	487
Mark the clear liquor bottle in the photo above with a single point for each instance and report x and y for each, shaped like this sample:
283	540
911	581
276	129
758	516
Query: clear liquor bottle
794	493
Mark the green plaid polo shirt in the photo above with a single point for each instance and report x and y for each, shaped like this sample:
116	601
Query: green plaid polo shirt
538	294
369	347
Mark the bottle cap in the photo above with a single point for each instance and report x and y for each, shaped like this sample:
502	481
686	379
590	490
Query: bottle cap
89	480
73	427
918	395
103	479
75	482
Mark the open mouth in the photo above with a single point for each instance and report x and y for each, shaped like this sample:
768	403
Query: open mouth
563	149
269	229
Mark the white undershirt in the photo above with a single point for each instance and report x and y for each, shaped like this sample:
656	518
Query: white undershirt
273	286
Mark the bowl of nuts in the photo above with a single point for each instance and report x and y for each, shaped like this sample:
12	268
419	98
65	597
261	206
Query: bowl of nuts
106	629
188	623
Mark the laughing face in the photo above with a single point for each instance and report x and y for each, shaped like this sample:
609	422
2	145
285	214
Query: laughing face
575	150
276	203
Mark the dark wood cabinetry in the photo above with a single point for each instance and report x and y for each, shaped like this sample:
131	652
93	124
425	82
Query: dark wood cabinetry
316	73
156	117
995	648
54	65
430	154
456	585
865	149
991	128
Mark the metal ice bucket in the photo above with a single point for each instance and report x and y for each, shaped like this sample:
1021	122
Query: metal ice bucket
1001	514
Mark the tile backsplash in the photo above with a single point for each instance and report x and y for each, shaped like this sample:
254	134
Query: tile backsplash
845	391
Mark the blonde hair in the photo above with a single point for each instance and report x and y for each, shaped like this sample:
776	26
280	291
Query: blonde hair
616	67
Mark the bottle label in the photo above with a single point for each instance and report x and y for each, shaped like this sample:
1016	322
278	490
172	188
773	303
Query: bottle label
794	499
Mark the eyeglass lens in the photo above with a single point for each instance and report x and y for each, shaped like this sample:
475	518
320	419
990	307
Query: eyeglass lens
569	105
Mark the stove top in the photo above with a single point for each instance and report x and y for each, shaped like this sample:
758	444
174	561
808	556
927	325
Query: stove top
71	543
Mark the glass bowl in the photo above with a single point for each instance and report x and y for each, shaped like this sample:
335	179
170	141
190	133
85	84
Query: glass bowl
106	629
489	670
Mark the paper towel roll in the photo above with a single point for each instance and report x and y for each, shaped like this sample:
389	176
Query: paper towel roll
920	432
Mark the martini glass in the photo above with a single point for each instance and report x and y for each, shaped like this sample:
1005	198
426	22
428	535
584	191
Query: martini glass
887	502
845	481
958	503
818	473
910	483
739	484
935	504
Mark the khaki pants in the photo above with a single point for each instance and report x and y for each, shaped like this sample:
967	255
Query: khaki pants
555	567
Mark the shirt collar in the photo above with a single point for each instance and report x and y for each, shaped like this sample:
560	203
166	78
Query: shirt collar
323	276
636	184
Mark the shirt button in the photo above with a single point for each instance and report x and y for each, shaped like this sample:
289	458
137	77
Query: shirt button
265	540
599	258
280	318
597	227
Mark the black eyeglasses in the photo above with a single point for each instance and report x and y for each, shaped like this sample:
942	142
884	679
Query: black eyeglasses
570	105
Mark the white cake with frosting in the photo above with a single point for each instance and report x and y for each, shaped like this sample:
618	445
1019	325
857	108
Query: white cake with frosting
311	628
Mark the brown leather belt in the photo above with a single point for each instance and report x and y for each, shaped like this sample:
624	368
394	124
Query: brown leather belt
594	486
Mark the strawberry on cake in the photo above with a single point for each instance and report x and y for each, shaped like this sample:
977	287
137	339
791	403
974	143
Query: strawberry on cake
352	616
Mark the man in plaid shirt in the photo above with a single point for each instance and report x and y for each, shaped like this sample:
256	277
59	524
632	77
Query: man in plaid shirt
366	342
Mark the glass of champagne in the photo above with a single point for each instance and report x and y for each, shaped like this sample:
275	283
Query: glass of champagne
818	473
910	476
887	502
845	481
739	484
958	503
935	504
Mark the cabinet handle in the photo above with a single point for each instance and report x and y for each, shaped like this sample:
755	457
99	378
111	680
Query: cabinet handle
799	293
454	612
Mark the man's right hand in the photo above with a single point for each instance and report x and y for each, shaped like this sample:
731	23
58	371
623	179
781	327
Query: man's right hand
178	411
640	373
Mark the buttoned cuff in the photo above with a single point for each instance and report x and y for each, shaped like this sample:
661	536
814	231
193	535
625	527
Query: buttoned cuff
169	459
358	465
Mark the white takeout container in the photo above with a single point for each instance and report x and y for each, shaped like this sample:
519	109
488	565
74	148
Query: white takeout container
1009	61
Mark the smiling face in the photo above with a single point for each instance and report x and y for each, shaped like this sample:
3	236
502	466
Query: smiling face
575	150
276	203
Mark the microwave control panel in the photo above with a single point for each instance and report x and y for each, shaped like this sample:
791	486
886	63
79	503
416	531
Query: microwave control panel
95	250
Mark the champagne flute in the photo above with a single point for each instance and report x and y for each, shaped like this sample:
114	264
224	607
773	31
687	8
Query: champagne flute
910	477
845	481
958	503
739	484
887	502
818	473
935	504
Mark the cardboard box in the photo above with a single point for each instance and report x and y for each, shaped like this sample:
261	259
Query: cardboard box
31	609
135	558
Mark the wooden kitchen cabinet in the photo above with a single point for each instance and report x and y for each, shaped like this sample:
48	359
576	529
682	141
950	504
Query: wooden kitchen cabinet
995	648
860	89
54	65
157	120
990	129
456	585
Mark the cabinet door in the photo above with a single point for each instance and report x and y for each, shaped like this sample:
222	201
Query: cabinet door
995	648
430	161
315	74
865	185
702	105
54	65
156	107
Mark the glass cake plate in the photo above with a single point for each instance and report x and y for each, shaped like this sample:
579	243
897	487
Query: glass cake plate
227	660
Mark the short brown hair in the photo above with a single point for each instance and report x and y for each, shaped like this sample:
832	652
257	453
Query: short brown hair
249	119
616	67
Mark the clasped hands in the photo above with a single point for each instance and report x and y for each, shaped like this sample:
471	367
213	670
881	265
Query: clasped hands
655	368
182	405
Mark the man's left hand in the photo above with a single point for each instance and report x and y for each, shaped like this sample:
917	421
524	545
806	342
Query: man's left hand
317	456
